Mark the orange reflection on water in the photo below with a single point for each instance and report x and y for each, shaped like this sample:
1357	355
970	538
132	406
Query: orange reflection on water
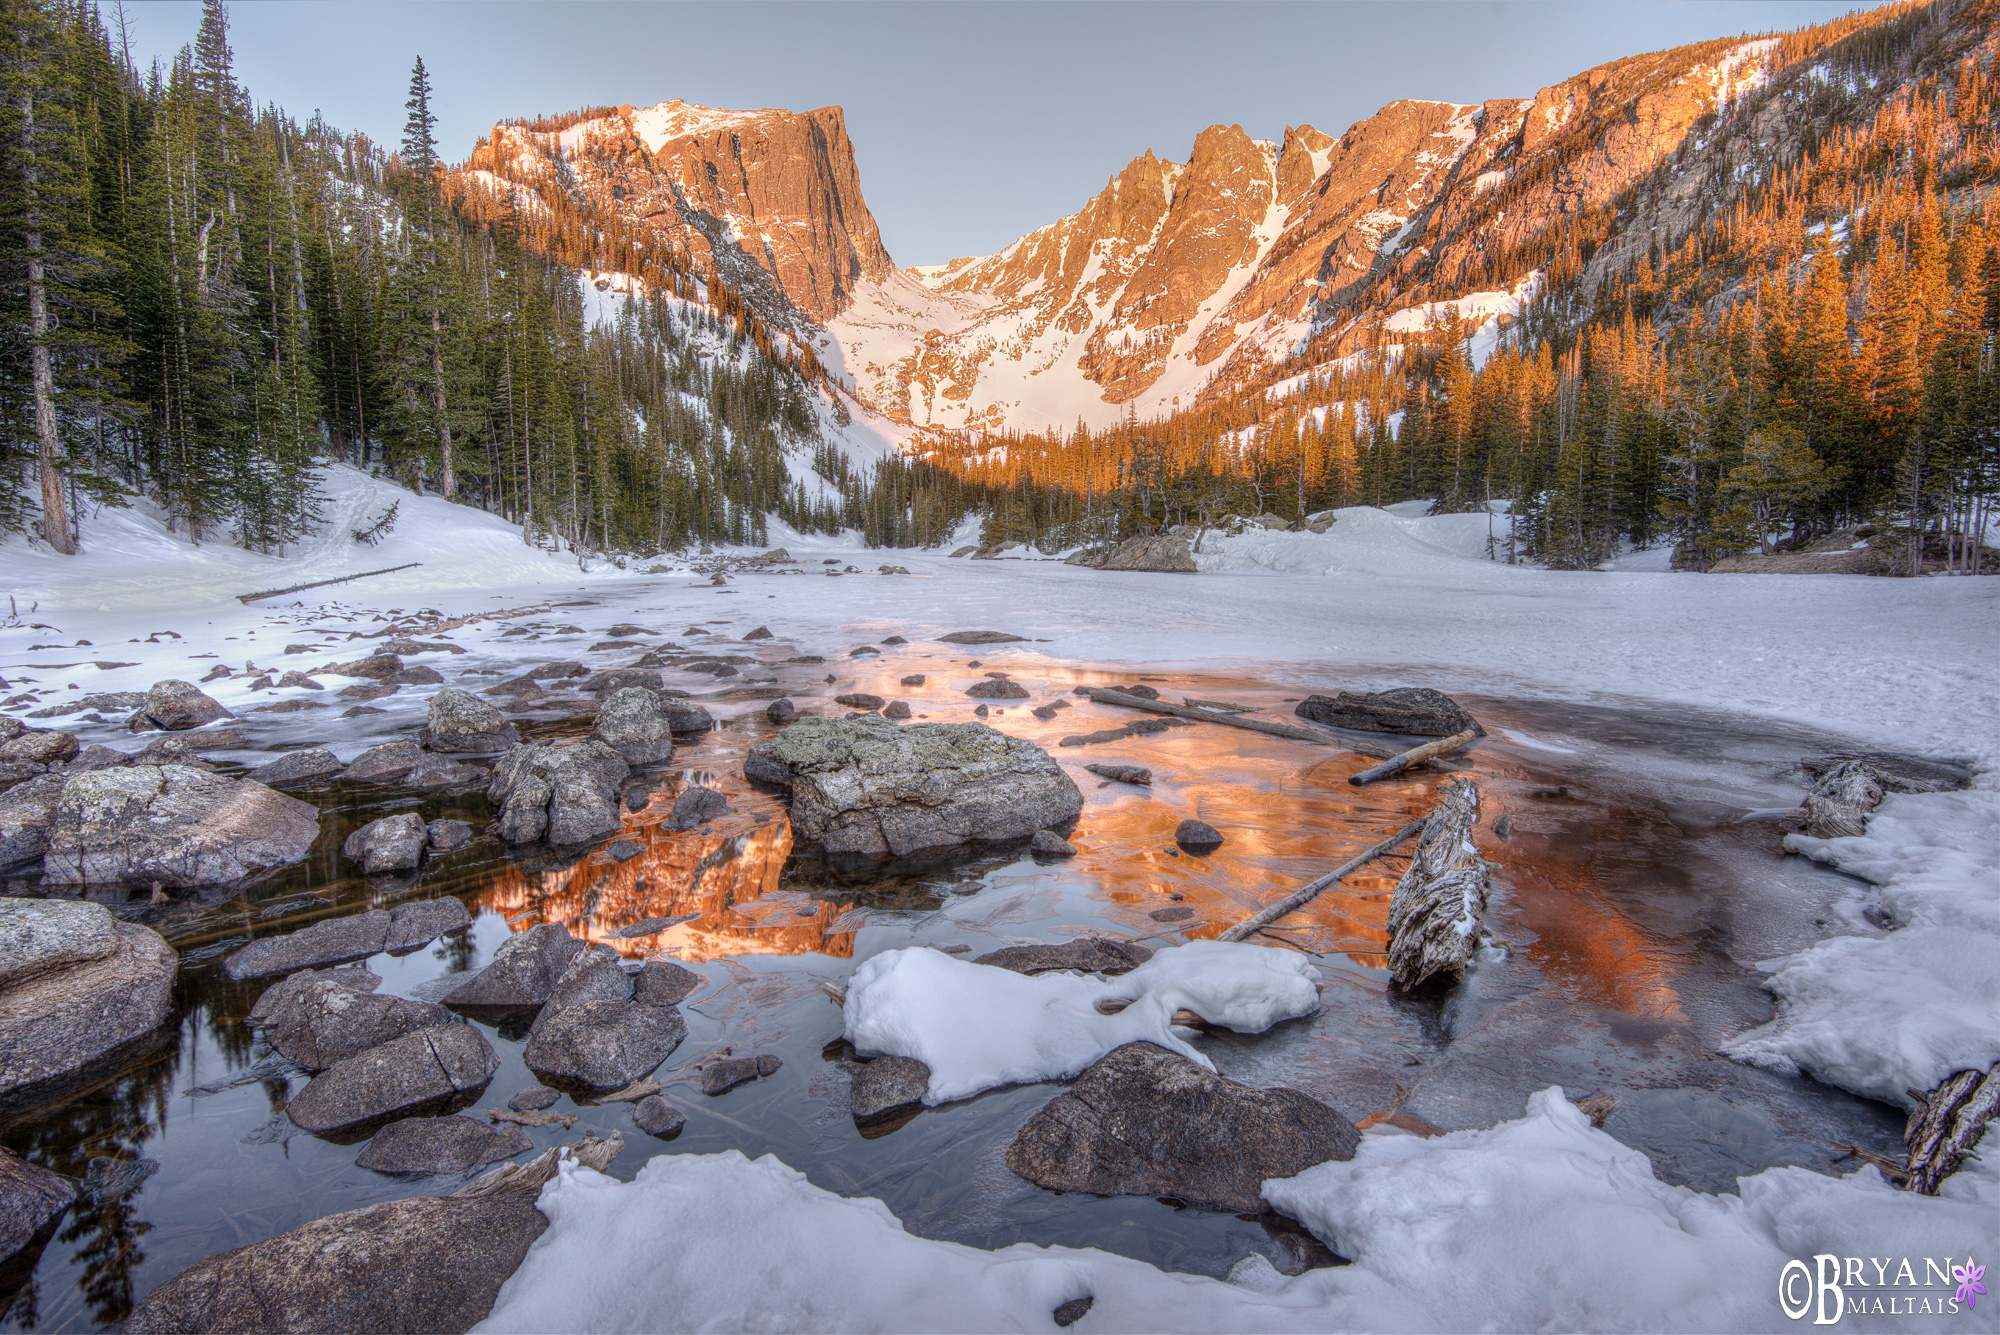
727	871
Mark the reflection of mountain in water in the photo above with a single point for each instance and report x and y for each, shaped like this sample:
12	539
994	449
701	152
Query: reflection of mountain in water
726	871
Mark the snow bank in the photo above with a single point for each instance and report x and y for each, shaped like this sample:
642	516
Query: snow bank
1363	540
978	1027
1538	1224
1882	1015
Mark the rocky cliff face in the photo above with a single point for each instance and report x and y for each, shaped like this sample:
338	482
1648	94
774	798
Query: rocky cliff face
768	200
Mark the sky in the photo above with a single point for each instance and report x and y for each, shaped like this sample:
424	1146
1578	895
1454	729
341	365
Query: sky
972	123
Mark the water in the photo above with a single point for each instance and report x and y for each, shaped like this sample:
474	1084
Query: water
1631	906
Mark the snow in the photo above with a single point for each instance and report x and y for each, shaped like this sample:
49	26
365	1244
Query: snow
1537	1224
978	1027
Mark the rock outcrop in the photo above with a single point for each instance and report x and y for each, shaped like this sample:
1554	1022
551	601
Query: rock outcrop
1166	553
867	786
75	984
173	824
565	794
1143	1121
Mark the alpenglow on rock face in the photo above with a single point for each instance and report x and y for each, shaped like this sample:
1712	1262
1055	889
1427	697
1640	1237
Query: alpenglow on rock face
869	786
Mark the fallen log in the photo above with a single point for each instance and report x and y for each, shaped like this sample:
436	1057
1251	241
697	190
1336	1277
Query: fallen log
1105	696
1305	894
322	583
1839	801
1434	915
1415	755
1946	1124
1217	704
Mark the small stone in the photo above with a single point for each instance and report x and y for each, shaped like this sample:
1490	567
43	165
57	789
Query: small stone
1139	689
418	675
656	1117
981	711
696	805
859	700
1197	836
914	679
896	639
1174	913
624	850
998	689
1069	1313
980	637
761	633
533	1099
1049	844
374	691
448	836
300	680
778	711
897	709
393	843
1133	774
720	1077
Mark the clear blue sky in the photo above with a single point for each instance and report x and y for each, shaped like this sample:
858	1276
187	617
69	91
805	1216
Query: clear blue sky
972	123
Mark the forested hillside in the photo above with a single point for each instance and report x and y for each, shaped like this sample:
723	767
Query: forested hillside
206	298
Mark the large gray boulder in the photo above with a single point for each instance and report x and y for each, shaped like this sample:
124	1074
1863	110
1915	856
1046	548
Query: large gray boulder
428	1263
603	1044
39	746
26	812
380	764
176	706
436	1069
30	1199
441	1145
321	1022
635	723
1143	1121
565	794
870	786
75	984
1164	552
462	722
523	972
1091	954
1416	711
356	936
173	824
392	843
298	767
685	716
423	921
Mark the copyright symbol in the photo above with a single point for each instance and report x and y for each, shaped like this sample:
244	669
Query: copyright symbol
1790	1279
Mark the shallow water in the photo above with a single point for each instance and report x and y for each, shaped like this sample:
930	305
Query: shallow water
1631	907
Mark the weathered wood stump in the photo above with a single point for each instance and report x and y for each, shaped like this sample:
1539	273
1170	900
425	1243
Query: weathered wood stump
1434	916
1946	1124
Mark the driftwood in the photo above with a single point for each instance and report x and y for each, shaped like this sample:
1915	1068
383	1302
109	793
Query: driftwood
1105	696
1840	801
592	1152
411	626
1946	1124
1305	894
322	583
1415	755
1217	704
1434	916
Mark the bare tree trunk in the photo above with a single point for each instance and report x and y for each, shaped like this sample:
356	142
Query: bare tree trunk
55	515
447	478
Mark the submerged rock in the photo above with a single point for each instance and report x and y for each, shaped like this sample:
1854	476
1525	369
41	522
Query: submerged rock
75	984
173	824
1143	1121
656	1117
333	941
441	1145
869	786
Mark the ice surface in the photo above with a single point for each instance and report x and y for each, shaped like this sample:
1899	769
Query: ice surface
977	1026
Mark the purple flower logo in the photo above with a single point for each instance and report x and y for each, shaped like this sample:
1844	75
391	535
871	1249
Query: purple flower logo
1969	1287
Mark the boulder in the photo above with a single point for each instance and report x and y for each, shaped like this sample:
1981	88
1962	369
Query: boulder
897	709
416	676
378	666
981	637
1143	1121
656	1117
393	843
427	1263
1163	552
1197	836
780	710
886	1084
354	977
1322	521
332	941
299	680
434	771
173	824
618	679
997	688
435	1069
664	983
422	921
39	746
321	1022
26	812
379	764
566	794
407	647
176	706
95	757
448	836
77	984
523	972
461	722
376	690
719	1077
603	1044
635	723
441	1145
592	975
872	787
1091	954
695	805
1049	844
297	767
1416	711
859	700
13	773
30	1199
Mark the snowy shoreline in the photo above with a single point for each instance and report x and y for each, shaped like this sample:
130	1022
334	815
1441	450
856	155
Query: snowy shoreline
1539	1222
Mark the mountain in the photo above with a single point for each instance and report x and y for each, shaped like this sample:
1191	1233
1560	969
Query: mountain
1247	264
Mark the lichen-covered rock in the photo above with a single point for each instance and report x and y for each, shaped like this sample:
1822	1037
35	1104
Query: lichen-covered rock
26	812
179	705
461	722
1163	552
603	1044
523	972
173	824
636	723
78	984
1143	1121
872	787
435	1069
1416	711
322	1022
566	794
392	843
39	746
